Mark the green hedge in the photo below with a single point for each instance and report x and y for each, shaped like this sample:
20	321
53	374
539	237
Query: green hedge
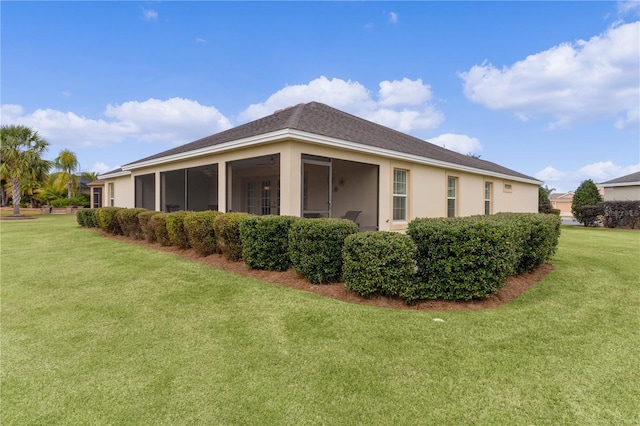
158	223
462	258
200	231
265	242
621	214
144	218
87	218
227	230
379	263
129	223
315	248
175	228
108	220
539	235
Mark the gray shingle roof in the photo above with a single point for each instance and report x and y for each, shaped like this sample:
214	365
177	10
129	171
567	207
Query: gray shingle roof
323	120
632	178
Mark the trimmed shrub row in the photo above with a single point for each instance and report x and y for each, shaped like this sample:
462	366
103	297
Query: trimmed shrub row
315	248
455	259
87	218
612	214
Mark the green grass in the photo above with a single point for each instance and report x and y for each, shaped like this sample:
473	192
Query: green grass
97	331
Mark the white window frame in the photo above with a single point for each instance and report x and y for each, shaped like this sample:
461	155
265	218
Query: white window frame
401	195
453	197
112	194
488	205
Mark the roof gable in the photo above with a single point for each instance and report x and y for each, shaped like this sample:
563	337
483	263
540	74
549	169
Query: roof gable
323	120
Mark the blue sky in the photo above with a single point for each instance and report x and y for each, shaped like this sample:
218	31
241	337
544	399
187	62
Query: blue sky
550	89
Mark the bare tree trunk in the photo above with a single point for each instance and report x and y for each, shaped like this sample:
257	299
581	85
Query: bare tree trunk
15	188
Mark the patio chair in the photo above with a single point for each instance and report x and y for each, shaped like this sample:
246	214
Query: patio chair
352	215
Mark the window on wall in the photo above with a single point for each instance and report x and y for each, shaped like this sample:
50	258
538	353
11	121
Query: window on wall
452	188
488	188
112	194
400	195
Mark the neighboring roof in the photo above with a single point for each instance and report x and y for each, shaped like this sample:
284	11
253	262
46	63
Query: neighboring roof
561	196
632	179
330	124
114	173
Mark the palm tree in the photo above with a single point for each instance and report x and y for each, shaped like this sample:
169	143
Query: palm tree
67	163
21	150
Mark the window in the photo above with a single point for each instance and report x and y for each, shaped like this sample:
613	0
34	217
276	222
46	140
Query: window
112	195
488	187
507	187
452	184
400	195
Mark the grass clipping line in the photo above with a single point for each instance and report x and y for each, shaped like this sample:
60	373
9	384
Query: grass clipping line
514	287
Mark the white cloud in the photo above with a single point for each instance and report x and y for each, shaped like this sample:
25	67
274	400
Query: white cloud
393	17
149	15
629	7
550	173
405	92
402	105
460	143
569	180
200	40
568	83
100	167
173	121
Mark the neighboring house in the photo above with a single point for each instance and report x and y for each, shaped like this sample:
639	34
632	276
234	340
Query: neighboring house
562	201
625	188
312	160
96	188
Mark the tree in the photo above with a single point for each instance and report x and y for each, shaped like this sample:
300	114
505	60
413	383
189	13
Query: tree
587	194
544	203
21	150
67	163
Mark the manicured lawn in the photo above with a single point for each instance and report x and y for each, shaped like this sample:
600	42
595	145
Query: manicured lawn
97	331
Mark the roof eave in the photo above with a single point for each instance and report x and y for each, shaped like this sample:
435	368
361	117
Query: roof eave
321	140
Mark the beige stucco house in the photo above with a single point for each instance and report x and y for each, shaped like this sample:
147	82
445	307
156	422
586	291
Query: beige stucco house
625	188
312	160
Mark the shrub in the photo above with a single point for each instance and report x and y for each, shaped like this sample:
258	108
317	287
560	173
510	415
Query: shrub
591	215
378	262
108	220
81	200
144	218
159	224
175	228
462	258
538	238
265	242
315	247
87	218
129	223
200	231
621	213
227	230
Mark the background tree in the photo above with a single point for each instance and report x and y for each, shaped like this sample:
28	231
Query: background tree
544	202
21	150
91	176
67	163
587	194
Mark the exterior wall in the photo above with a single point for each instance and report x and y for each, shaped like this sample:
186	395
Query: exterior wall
523	197
622	193
426	196
124	189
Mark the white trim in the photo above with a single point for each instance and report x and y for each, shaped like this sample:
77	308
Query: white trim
611	185
325	141
114	175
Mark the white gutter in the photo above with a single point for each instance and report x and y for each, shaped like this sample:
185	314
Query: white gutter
611	185
114	175
321	140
